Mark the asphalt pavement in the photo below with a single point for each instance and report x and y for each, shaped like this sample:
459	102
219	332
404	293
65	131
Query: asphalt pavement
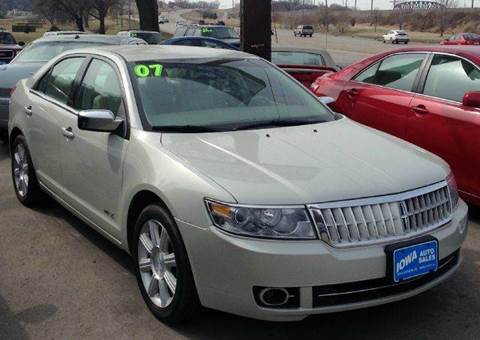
59	279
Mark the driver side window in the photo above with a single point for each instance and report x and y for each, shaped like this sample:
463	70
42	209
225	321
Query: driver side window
58	83
100	89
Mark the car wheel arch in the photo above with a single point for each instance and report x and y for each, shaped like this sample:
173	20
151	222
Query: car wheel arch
15	132
140	201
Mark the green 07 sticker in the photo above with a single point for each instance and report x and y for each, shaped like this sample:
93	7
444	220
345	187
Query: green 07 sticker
143	71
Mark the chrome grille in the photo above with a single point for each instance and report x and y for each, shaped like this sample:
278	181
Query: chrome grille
380	219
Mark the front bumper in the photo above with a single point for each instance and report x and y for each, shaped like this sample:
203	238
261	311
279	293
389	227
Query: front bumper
226	268
4	104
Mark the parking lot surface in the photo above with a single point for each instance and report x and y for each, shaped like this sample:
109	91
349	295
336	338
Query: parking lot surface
59	279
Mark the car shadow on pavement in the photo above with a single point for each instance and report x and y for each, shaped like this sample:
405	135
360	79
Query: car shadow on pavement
3	151
12	325
54	209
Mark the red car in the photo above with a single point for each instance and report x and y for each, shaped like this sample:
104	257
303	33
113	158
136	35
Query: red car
429	96
462	39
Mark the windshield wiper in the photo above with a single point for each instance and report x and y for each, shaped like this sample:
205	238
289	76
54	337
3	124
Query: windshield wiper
184	128
278	123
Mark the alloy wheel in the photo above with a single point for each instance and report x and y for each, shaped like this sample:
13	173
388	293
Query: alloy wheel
20	170
157	264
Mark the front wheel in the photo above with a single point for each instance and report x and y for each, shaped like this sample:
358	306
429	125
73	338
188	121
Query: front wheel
23	173
406	42
162	267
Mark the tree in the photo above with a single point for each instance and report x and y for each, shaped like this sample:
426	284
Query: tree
99	10
148	11
444	13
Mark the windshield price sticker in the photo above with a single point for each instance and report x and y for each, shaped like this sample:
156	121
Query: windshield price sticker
207	30
143	71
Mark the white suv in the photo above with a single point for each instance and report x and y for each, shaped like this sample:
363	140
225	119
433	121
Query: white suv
396	36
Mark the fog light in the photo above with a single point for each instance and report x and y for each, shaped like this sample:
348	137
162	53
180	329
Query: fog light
269	297
274	297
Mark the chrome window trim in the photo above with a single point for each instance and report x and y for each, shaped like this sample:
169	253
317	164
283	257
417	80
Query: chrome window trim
427	54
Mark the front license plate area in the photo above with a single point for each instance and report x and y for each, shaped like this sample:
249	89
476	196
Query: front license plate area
414	259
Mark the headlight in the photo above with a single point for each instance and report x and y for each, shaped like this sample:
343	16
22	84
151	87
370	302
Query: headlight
453	190
266	222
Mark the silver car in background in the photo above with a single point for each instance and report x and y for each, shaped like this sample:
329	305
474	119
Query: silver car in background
231	185
39	52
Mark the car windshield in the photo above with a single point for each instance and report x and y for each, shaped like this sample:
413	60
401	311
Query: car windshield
221	95
150	37
471	36
219	32
44	51
297	58
7	39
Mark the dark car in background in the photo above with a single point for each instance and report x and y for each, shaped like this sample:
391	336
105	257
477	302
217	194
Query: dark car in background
199	42
303	31
9	47
38	53
221	32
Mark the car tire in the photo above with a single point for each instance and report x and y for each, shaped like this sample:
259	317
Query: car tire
406	42
24	178
162	267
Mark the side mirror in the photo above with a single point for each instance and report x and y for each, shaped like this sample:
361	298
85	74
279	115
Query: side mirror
21	43
98	120
326	100
471	99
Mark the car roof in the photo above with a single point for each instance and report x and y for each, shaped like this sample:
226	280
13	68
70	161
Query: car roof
112	39
472	51
138	31
132	53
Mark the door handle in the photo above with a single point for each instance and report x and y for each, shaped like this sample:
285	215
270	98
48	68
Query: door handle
28	110
420	109
68	133
352	92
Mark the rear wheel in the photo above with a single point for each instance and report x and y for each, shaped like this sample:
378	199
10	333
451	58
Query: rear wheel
162	267
406	42
23	173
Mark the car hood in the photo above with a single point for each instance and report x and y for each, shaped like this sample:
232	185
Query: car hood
317	163
10	74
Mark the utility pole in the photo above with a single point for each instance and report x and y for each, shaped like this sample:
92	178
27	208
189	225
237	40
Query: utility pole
256	27
371	7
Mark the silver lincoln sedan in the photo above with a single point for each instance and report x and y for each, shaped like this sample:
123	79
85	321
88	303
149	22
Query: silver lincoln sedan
231	185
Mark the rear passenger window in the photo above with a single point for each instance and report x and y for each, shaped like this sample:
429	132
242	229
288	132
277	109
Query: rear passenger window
451	77
100	88
397	72
59	83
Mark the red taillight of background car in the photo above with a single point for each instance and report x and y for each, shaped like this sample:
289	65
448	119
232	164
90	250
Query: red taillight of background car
12	90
